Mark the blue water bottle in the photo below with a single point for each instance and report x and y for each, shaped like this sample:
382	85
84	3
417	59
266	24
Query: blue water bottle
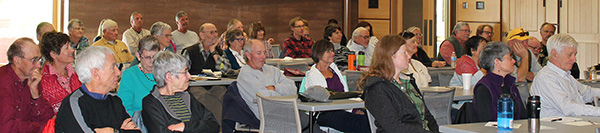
505	112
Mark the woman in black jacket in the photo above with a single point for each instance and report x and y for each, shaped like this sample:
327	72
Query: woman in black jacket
392	97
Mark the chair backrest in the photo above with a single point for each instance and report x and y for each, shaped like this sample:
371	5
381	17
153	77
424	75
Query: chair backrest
352	79
278	114
235	110
523	88
444	78
371	122
302	66
276	51
439	103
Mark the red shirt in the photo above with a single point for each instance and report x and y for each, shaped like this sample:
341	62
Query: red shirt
465	64
55	87
297	48
18	111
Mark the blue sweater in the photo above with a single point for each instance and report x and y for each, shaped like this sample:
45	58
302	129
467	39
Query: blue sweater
134	87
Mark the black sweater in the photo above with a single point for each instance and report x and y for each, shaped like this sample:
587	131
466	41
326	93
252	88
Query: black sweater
392	109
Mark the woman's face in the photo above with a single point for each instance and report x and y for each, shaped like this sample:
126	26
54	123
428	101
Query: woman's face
400	59
146	59
412	45
260	34
65	55
336	37
182	80
327	57
505	66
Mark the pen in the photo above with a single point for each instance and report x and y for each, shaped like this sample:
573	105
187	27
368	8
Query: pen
557	119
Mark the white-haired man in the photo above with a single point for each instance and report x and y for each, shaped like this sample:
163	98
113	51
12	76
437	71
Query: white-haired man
109	40
182	37
360	42
132	36
90	108
560	93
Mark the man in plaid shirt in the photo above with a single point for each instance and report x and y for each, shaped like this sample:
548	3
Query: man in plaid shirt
297	46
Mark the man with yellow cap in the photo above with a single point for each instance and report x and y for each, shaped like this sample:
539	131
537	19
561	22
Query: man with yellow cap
526	63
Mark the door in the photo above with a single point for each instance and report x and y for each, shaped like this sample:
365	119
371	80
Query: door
579	18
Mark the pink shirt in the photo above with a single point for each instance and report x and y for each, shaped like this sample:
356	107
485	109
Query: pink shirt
447	48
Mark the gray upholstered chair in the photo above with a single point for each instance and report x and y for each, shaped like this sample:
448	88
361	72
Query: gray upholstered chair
523	88
302	66
352	79
371	122
444	78
439	102
279	114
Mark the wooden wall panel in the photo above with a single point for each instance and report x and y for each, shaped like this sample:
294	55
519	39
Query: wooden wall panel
383	12
495	26
380	27
490	13
274	14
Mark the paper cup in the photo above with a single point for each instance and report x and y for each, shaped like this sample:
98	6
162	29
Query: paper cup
466	78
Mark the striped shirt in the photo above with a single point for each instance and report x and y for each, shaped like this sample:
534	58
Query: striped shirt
176	104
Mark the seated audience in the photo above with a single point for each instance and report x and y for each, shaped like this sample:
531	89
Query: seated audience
344	40
360	42
234	57
372	39
78	41
169	107
162	32
132	36
333	33
307	32
42	28
183	37
109	40
415	67
297	45
546	31
421	55
90	108
527	65
138	80
485	31
560	94
22	108
469	63
264	79
455	43
326	74
257	31
100	32
231	25
497	61
392	97
58	76
204	54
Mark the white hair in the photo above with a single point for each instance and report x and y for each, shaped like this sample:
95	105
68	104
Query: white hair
92	57
158	27
357	31
167	62
559	41
458	26
108	23
413	28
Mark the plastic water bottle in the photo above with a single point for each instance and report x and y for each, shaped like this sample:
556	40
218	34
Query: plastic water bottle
453	59
361	58
352	61
505	112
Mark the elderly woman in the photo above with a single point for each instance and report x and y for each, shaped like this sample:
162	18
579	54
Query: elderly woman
415	67
58	76
257	31
169	107
234	56
333	33
468	63
78	41
138	80
497	61
392	97
421	55
326	74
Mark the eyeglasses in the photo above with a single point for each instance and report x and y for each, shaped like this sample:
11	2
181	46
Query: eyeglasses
469	31
210	32
35	59
167	35
300	26
78	28
240	39
365	37
487	32
147	58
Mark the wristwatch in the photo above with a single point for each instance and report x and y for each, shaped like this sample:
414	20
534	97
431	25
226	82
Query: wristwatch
214	53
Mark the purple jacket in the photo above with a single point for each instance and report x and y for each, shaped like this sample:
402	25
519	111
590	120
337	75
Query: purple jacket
494	83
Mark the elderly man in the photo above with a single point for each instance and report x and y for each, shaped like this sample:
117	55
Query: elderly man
109	40
22	108
42	28
527	65
360	42
182	37
297	45
546	31
204	54
90	108
455	43
78	41
561	94
132	35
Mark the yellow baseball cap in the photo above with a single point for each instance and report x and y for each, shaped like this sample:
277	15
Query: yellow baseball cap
519	34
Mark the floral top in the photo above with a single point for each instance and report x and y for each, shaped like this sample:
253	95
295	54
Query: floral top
56	87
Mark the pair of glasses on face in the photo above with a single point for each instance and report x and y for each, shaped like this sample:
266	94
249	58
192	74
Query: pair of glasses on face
167	35
487	32
39	60
78	28
366	37
240	39
300	26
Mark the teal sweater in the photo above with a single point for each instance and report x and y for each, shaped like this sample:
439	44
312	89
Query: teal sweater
134	87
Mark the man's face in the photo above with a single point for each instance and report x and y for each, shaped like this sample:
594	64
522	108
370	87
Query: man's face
362	38
164	38
565	59
183	22
30	60
547	32
534	45
463	33
239	26
487	33
76	31
209	35
138	21
298	28
418	36
146	58
108	77
44	29
112	33
256	59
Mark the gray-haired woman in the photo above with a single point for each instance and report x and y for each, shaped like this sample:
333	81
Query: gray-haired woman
169	107
496	59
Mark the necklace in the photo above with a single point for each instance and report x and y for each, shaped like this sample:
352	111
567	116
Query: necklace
142	70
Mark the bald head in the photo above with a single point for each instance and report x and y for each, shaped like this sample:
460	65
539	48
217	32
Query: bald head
534	45
208	34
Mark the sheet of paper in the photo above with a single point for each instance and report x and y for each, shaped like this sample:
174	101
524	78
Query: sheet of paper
579	123
356	99
560	119
495	124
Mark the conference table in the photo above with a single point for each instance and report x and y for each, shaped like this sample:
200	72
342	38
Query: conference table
339	104
227	81
567	124
459	93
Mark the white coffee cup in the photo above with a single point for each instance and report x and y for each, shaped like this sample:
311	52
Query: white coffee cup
466	80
